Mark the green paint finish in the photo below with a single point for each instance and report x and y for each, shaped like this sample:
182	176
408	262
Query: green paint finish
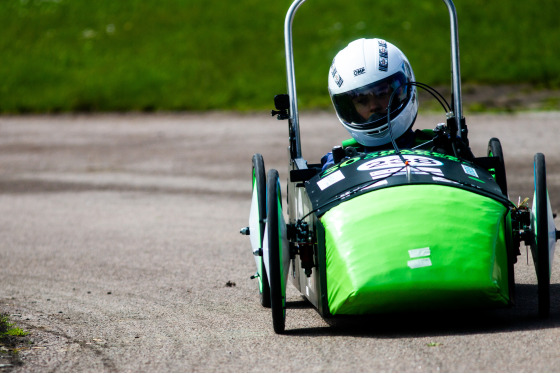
413	248
476	179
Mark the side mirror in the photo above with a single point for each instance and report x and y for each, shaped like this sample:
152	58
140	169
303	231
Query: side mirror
282	104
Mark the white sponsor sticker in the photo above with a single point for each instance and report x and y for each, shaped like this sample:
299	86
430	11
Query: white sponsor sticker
470	171
432	171
420	252
419	263
420	258
377	184
440	179
385	173
330	179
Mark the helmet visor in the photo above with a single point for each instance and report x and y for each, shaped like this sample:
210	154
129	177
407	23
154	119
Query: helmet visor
366	107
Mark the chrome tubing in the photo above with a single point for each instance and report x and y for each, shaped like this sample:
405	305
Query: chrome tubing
455	65
291	79
290	74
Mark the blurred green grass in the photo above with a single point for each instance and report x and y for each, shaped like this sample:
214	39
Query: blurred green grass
147	55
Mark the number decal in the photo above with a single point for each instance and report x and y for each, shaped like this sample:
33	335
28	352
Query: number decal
395	161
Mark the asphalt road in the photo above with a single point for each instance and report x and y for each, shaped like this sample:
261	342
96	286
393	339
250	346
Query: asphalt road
120	251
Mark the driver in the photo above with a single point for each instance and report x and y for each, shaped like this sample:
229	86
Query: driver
362	78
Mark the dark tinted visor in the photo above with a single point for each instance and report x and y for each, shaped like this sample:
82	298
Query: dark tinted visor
366	107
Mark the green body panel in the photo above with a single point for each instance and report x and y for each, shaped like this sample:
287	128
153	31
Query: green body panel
416	247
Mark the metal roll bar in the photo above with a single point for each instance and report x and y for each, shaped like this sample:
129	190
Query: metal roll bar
455	64
291	78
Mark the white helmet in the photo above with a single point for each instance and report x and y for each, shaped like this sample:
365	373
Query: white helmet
361	80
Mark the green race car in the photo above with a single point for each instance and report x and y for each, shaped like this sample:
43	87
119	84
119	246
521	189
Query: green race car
422	228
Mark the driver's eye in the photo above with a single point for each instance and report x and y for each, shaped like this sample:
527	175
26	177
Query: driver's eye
362	100
382	92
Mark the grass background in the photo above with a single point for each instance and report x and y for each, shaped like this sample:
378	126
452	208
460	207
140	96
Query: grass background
147	55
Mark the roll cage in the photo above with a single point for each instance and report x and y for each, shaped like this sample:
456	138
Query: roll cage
287	107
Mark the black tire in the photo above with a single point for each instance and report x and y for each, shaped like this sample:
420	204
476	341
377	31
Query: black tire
277	286
259	187
499	174
539	248
495	150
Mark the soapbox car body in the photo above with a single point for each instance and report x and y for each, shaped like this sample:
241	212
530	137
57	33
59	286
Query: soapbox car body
396	230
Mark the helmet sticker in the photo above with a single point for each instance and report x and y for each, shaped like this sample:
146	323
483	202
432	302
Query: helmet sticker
337	78
383	55
359	71
383	50
383	64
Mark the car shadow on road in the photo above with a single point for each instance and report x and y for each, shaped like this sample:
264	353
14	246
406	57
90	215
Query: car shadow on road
523	316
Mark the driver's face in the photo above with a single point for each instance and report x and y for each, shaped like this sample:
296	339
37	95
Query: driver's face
373	102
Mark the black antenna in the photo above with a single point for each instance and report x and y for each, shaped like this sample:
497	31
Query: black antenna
397	150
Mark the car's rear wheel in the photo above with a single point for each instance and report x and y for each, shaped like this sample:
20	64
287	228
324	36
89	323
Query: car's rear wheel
259	198
540	245
275	252
499	173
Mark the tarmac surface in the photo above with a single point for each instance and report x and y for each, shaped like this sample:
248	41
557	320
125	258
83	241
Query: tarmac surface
121	252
